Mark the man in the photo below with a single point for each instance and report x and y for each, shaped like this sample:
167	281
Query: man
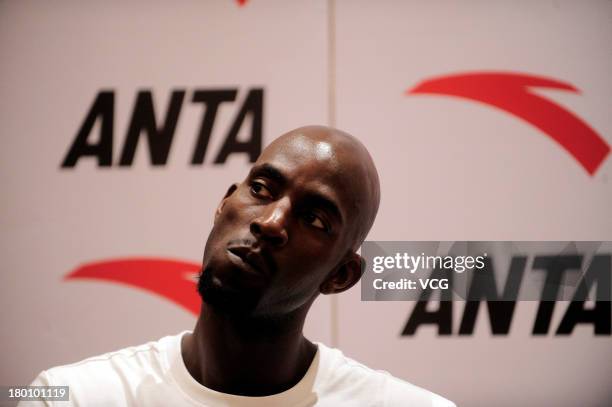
286	234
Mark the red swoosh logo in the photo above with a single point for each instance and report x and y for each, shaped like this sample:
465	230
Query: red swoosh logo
170	279
510	92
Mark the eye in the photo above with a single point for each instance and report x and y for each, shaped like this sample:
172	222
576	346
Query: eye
314	220
260	190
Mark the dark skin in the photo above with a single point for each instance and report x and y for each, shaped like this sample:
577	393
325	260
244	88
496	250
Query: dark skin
284	235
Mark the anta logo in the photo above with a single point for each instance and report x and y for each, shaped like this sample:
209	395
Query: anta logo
511	92
159	132
558	271
173	280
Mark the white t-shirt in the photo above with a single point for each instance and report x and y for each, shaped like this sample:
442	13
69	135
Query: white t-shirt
154	374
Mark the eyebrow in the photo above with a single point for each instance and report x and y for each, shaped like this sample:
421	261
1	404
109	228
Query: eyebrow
268	170
312	197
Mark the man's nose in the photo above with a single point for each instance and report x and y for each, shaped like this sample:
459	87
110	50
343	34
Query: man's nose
271	225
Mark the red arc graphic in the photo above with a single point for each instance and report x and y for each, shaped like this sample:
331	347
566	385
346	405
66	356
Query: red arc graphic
511	92
170	279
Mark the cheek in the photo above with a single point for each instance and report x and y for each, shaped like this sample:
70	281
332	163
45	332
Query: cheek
315	246
234	211
225	224
312	260
239	207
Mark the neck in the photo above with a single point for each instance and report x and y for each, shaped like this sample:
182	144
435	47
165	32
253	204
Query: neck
245	355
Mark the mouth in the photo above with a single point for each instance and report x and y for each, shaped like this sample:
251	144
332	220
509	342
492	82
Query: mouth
250	259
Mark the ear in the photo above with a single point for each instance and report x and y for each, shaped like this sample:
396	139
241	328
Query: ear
230	191
346	275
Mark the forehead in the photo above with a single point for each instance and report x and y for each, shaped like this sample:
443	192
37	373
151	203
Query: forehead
301	154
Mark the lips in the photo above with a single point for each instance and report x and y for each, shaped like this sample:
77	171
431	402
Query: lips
252	258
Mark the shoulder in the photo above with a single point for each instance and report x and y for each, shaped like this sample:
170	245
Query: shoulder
379	386
109	373
132	357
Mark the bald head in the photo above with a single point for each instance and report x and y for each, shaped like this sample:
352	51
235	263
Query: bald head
344	162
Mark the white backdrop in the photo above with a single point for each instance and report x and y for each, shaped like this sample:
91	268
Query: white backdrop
451	168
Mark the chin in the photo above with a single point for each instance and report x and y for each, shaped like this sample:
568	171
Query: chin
225	297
